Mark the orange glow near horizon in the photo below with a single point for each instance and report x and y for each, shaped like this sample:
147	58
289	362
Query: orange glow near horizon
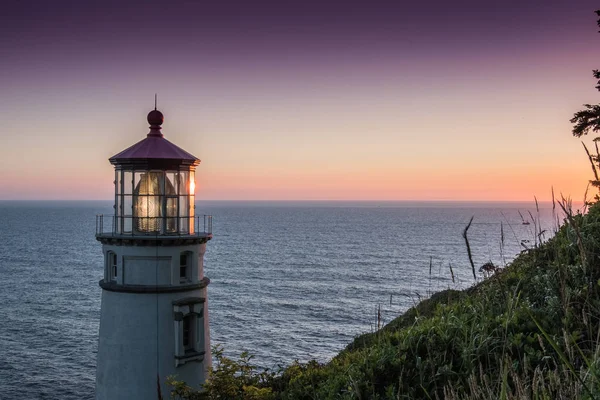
476	185
424	181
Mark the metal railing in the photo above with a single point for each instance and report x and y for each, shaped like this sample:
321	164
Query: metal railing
113	225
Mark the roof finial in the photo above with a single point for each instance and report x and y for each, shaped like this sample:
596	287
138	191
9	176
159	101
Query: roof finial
155	119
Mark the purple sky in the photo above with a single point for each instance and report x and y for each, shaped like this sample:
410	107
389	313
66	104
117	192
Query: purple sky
317	92
107	34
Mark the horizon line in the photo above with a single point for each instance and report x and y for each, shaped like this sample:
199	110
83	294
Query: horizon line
326	200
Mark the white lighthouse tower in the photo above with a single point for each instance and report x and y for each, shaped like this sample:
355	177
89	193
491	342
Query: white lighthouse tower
154	316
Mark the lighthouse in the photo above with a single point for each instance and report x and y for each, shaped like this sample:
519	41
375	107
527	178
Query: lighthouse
154	312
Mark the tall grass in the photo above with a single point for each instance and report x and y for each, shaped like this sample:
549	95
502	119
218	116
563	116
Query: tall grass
530	331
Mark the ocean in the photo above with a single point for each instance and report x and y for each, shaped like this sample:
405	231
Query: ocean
289	280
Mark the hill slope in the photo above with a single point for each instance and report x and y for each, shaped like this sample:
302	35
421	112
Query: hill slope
530	331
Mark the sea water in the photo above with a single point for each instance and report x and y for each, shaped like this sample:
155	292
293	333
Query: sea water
289	280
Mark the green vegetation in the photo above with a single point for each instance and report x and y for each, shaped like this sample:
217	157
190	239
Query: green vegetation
530	331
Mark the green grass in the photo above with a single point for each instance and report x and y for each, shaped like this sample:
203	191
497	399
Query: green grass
530	331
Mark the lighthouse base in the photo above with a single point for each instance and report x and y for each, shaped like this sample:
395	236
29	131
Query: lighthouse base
146	337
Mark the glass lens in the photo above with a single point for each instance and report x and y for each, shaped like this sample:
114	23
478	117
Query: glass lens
127	182
147	201
184	182
171	183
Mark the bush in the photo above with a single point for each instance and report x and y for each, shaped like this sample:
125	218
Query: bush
230	379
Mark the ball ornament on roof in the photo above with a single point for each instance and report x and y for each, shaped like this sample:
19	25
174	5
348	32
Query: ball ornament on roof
155	118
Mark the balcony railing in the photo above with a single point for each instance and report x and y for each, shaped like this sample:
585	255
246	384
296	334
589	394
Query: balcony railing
112	225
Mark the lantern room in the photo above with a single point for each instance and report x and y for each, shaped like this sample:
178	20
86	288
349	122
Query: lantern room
154	186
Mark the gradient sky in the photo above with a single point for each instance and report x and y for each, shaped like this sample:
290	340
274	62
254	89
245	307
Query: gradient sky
431	100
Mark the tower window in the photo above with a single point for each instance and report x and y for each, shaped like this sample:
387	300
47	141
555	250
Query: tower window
188	335
185	267
112	266
189	330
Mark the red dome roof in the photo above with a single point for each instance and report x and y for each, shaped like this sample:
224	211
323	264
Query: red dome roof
154	150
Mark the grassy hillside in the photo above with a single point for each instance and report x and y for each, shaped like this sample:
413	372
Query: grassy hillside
530	331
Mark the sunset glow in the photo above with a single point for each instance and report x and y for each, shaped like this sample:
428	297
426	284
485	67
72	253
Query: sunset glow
437	101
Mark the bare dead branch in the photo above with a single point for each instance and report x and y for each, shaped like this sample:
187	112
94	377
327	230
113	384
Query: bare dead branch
469	247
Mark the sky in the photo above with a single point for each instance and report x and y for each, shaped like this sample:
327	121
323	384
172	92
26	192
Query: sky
305	100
